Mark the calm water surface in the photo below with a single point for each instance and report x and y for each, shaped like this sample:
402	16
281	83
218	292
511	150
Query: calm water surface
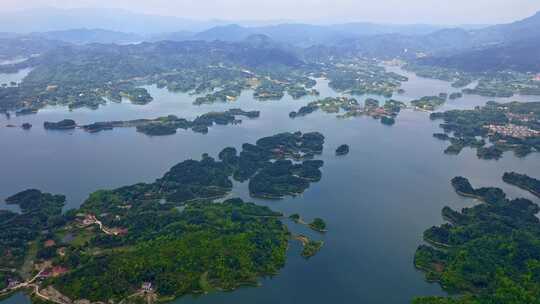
377	200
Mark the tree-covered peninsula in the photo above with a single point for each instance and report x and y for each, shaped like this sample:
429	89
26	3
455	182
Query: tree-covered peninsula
509	127
488	253
523	181
163	239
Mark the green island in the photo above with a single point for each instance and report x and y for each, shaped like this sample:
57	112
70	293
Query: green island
267	165
389	121
298	92
510	126
455	95
138	96
283	177
523	181
352	108
269	90
295	217
168	125
159	241
362	77
488	253
309	246
66	124
266	85
342	150
429	103
318	224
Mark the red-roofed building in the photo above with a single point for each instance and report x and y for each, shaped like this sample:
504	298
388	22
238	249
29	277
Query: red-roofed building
49	243
58	271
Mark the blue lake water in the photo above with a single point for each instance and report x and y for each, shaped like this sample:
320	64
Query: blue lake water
376	201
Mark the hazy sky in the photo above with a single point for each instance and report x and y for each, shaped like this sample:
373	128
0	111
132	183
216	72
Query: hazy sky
389	11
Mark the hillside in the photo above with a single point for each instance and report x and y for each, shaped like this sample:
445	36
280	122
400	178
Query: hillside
84	36
518	56
306	35
511	46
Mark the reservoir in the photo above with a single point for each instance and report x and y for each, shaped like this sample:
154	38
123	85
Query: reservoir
376	201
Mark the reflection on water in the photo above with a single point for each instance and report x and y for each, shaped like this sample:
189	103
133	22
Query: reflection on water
377	200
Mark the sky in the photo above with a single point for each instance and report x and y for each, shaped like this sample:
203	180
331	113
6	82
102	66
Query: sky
382	11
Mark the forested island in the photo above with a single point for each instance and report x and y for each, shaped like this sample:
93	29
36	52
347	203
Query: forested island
66	124
310	247
342	150
429	103
455	95
488	253
352	108
317	224
163	239
166	125
360	76
509	127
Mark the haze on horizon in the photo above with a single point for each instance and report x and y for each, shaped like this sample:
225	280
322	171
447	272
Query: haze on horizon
325	11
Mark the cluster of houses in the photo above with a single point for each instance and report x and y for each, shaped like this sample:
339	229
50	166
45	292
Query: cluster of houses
147	287
521	117
53	272
513	130
90	219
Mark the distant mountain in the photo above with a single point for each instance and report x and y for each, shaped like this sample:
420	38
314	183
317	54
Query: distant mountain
513	46
517	55
262	41
84	36
65	64
299	35
444	42
171	36
19	46
306	35
387	46
370	29
231	32
515	31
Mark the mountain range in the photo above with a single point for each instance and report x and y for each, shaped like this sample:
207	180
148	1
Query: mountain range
471	48
513	46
